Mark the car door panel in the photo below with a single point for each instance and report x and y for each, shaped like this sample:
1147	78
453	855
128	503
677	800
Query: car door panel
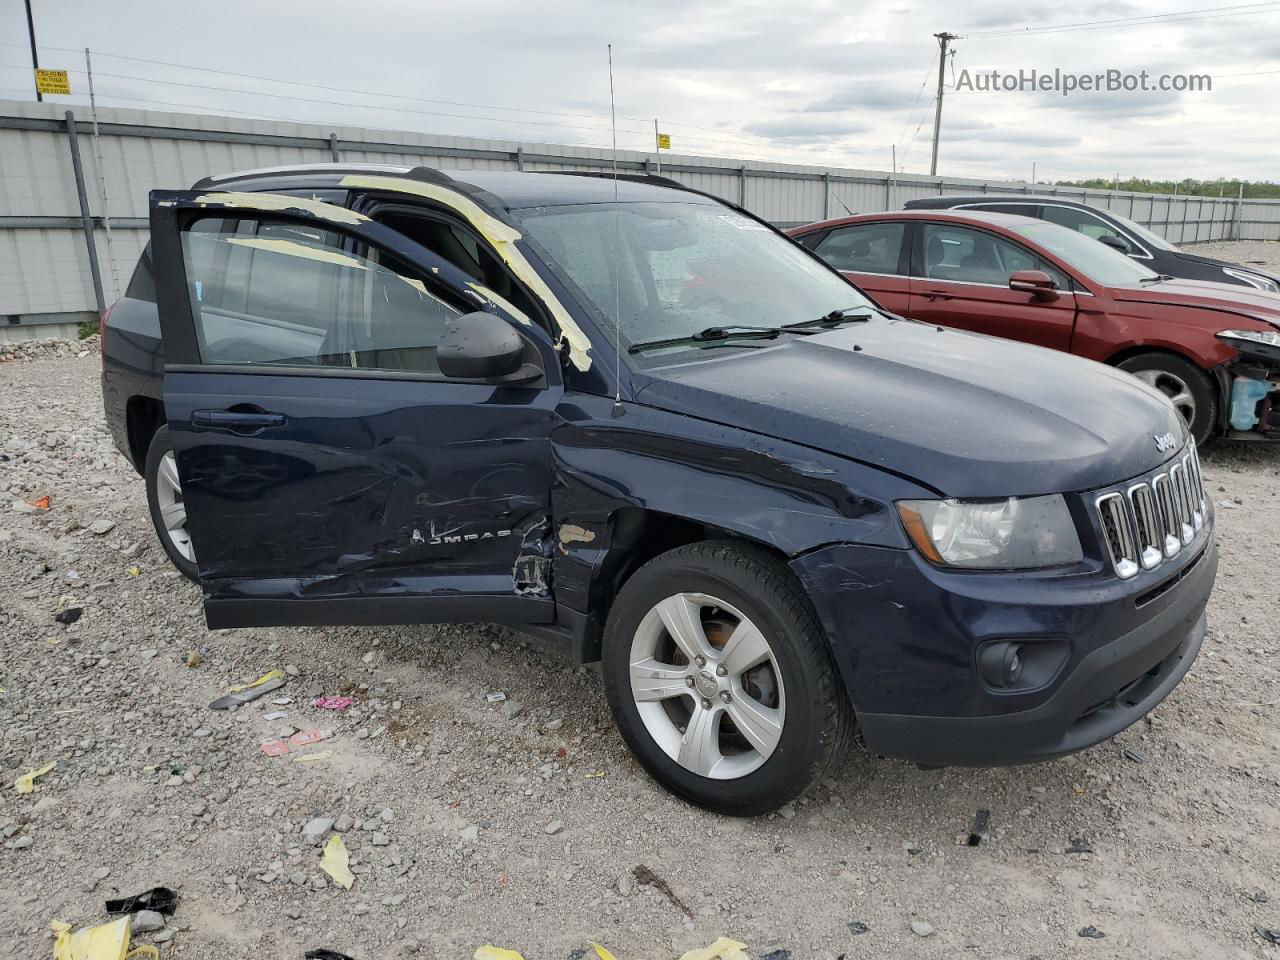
336	494
954	297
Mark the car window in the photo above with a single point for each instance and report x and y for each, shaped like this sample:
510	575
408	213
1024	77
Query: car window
284	293
669	270
974	256
1093	260
1084	222
460	247
1020	209
863	247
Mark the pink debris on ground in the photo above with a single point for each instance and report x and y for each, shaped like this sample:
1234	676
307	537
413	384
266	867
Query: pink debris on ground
333	703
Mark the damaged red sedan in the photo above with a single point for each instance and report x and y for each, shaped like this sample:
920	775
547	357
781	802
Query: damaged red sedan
1211	348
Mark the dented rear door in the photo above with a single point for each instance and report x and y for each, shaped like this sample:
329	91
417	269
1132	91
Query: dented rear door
331	474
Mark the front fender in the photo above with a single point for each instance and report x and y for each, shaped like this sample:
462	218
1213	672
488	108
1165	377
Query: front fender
724	479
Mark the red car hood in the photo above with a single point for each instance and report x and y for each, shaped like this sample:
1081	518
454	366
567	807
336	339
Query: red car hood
1225	297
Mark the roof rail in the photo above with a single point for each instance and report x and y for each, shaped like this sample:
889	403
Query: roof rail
654	179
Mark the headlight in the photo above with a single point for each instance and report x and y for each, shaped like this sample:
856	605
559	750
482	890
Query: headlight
1258	343
1253	279
1016	533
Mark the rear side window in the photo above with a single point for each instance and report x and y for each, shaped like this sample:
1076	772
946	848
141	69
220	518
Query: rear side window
863	248
1021	209
291	294
1081	221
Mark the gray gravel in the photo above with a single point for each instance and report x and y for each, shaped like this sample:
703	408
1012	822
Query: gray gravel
470	822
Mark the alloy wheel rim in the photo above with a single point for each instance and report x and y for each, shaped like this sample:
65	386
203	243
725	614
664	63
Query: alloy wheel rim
707	686
173	509
1173	387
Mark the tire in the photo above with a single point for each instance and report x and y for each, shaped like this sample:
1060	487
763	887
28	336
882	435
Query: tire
161	478
1186	385
792	703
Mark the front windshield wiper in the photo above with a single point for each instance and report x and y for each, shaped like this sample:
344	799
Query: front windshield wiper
833	319
714	335
1158	278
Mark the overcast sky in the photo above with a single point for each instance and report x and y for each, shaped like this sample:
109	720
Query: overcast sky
808	82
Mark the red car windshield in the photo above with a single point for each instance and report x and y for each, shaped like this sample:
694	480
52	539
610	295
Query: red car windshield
1095	260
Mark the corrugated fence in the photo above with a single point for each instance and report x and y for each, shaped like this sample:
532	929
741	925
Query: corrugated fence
63	179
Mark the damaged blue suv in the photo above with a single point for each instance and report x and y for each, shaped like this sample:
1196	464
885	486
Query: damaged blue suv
638	421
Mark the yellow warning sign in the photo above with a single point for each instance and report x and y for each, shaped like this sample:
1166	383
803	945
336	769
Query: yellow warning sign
53	81
664	141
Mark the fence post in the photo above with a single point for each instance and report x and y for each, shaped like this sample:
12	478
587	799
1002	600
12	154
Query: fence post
1239	213
333	148
826	195
888	191
86	218
742	186
520	158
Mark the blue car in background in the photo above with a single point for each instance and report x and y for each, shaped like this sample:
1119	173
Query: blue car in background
639	422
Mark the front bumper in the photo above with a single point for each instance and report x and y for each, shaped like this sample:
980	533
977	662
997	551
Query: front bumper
905	637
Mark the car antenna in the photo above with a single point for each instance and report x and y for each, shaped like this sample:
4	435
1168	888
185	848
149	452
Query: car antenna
617	267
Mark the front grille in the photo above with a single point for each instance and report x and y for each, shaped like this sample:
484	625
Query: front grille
1156	518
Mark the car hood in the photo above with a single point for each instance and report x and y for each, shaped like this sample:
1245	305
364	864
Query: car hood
1221	297
1214	261
968	415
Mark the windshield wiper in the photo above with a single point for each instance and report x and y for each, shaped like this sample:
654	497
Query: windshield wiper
712	335
1158	278
833	319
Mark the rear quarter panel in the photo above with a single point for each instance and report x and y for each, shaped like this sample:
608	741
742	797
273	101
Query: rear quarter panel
132	364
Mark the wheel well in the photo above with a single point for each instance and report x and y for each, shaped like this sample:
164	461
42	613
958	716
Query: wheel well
639	535
143	417
1128	352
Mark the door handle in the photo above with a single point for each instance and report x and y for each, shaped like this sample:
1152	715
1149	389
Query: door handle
239	421
937	295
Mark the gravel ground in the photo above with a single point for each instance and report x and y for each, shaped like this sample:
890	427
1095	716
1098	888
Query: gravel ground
520	823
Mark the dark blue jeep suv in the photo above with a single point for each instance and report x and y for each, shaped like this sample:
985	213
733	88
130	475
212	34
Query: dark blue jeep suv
634	419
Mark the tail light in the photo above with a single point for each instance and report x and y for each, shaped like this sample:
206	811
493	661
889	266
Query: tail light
102	336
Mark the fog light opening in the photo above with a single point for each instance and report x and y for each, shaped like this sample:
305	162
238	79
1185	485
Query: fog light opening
1000	664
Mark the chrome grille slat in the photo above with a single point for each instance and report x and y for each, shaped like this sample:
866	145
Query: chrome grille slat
1155	518
1118	529
1147	526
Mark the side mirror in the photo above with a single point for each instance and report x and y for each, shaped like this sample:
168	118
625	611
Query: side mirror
479	346
1114	242
1035	282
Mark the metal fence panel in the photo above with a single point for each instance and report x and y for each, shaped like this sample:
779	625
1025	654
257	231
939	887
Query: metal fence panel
44	270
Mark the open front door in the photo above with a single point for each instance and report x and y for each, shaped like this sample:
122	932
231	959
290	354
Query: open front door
331	473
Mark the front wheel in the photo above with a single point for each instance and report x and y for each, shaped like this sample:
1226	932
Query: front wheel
1188	388
167	506
720	679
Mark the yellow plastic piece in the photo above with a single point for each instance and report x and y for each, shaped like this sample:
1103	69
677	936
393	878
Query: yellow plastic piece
722	949
602	953
270	675
27	782
502	237
490	952
335	862
313	757
272	201
109	941
143	950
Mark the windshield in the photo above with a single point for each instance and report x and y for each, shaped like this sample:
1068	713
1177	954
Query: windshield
1142	232
1095	260
681	268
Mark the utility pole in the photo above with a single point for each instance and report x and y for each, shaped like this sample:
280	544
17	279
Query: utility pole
35	59
943	40
657	145
1033	171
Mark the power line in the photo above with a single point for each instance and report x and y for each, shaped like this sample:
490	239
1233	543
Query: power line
1204	13
366	93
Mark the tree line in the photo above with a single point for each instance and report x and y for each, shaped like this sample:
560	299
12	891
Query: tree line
1260	190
